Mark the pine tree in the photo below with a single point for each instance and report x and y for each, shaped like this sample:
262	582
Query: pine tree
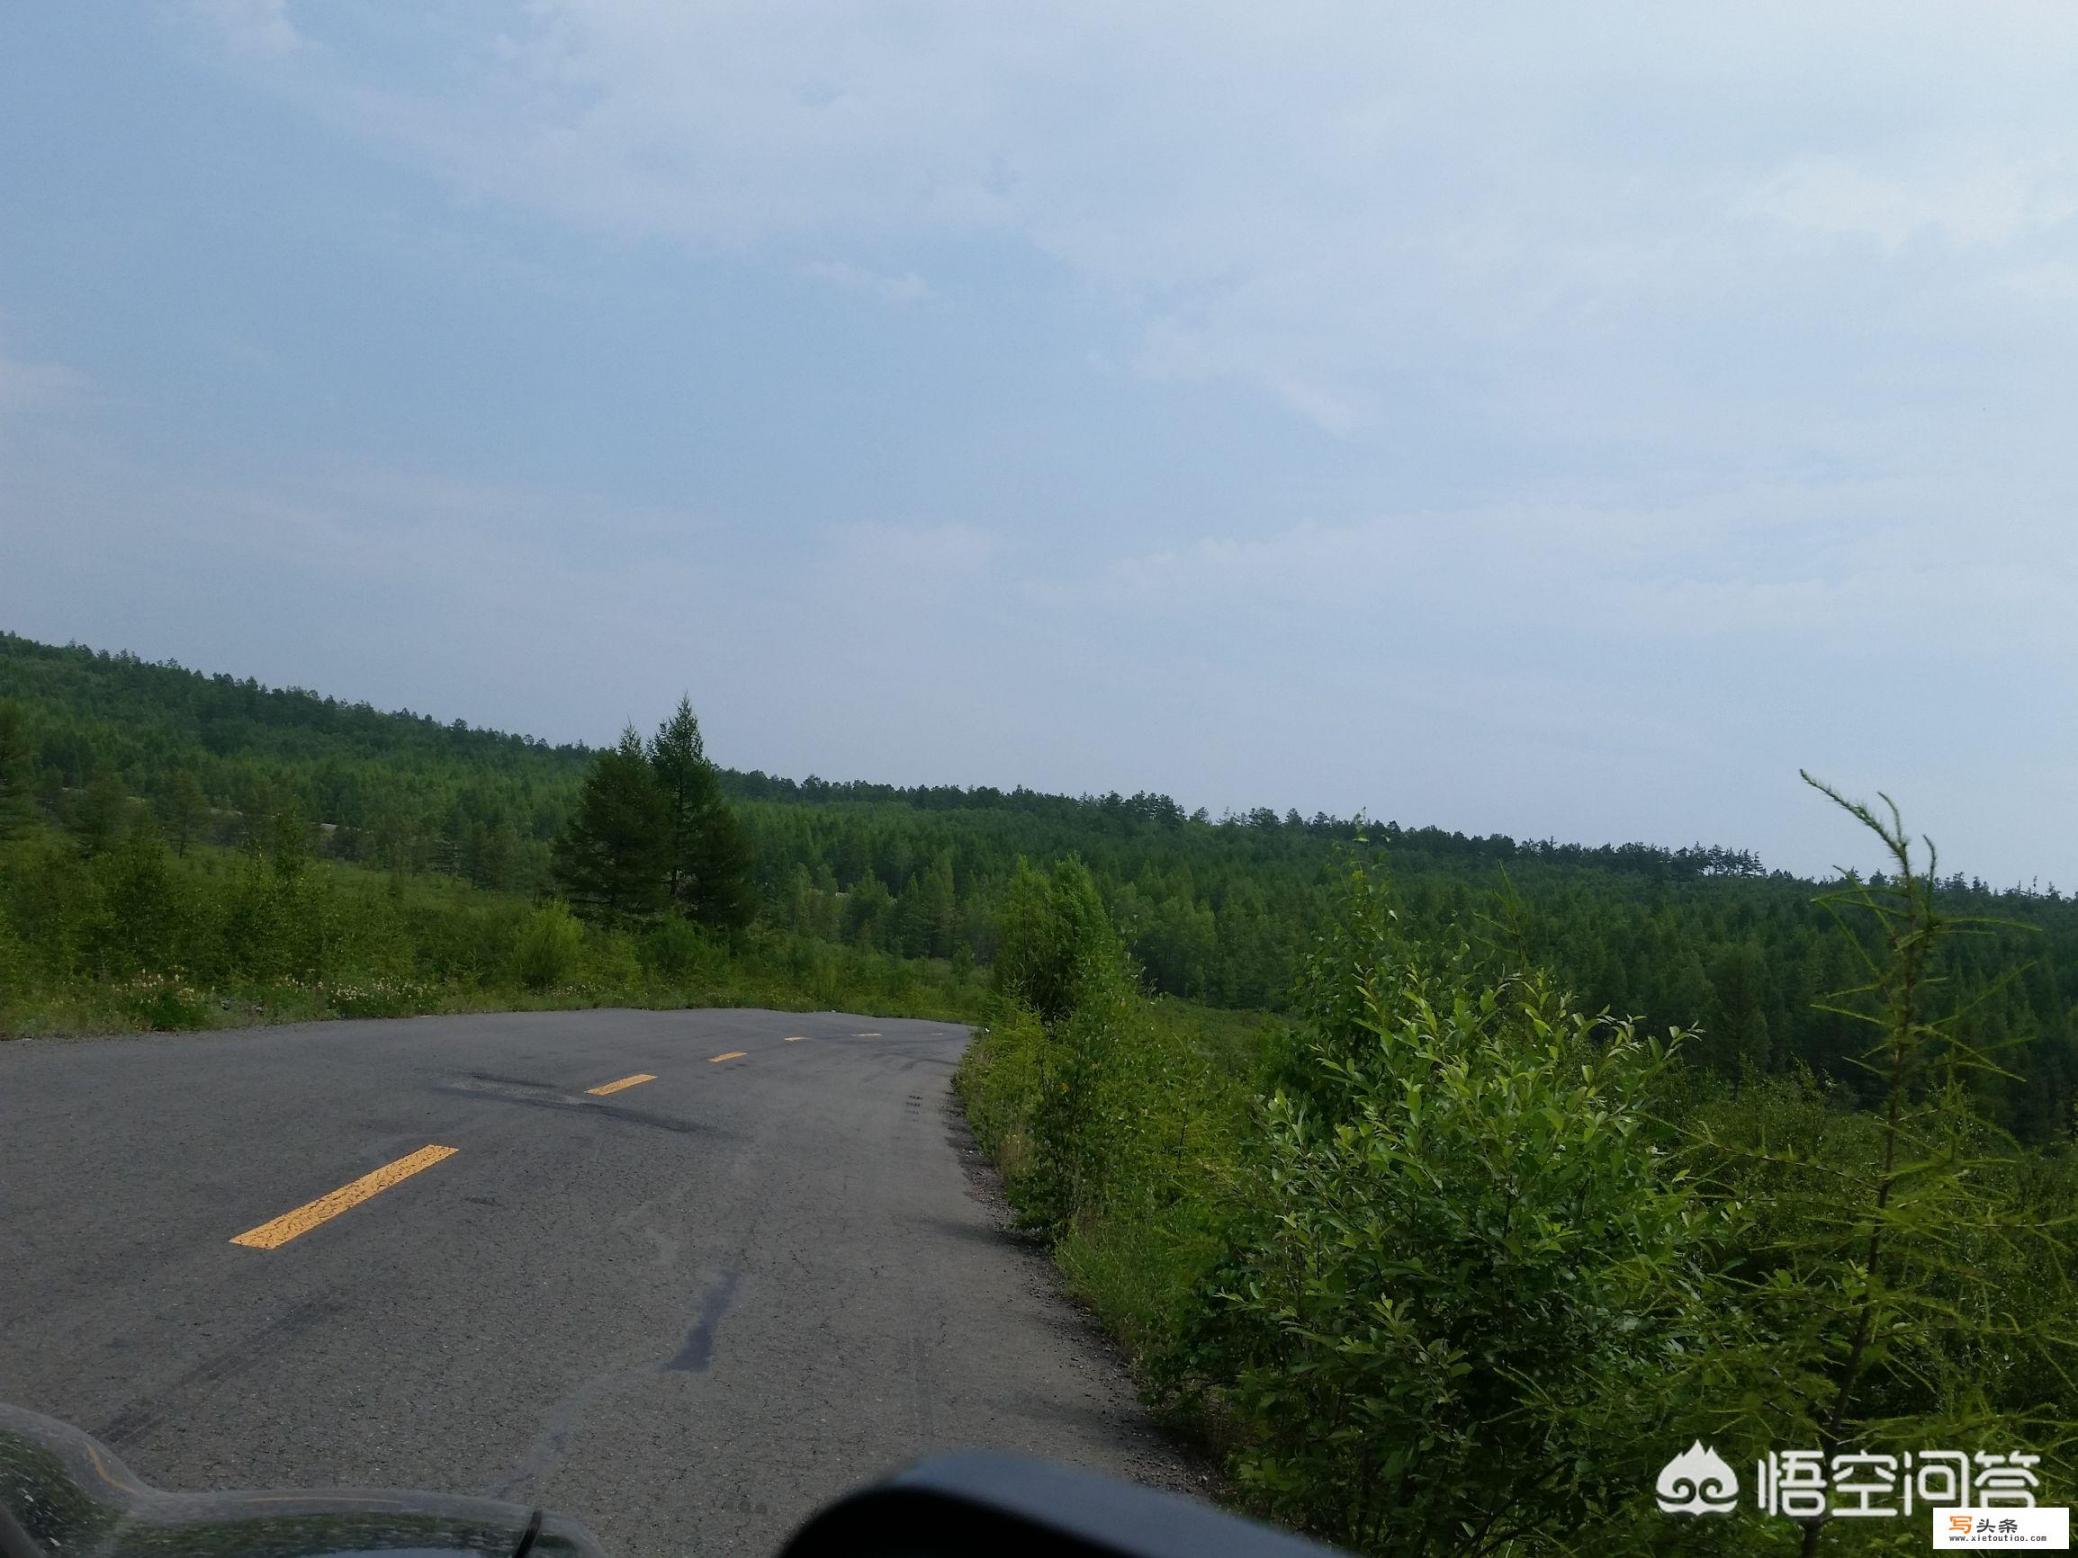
678	756
707	857
610	861
722	895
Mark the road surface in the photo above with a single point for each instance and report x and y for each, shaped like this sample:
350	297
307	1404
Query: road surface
450	1253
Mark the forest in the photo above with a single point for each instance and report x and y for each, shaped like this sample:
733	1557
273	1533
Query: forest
1440	1185
1214	911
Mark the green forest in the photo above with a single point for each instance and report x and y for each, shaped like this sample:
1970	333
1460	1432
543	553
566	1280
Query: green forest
1443	1185
1214	911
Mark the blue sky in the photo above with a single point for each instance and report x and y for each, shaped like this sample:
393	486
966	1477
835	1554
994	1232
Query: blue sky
1546	420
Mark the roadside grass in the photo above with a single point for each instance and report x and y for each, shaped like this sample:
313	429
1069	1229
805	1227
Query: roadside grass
220	939
1175	1091
1444	1265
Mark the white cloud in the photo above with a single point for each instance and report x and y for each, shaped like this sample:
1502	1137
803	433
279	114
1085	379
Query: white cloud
39	386
1834	571
254	27
1697	382
902	563
2052	281
1307	199
902	289
1991	203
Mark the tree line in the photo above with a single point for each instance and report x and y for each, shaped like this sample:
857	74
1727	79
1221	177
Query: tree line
1214	910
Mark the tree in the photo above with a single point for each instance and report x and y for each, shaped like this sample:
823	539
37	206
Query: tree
488	853
721	895
1735	1020
1900	1287
286	835
186	809
927	917
707	858
17	774
1054	934
1446	1317
144	912
679	757
610	860
97	814
867	909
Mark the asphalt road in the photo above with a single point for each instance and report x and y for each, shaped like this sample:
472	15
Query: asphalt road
686	1311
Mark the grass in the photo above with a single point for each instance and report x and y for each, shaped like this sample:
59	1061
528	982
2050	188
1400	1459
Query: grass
218	939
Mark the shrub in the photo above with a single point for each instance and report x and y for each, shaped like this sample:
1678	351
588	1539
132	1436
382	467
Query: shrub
1053	935
165	1002
14	964
674	949
998	1082
1901	1276
1448	1321
1480	1261
610	968
550	947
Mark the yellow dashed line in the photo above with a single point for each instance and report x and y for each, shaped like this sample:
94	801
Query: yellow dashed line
291	1225
604	1088
734	1054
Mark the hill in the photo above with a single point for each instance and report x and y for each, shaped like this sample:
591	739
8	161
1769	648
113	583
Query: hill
1215	910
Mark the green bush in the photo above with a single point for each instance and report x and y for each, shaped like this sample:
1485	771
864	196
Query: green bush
550	948
15	964
1448	1320
611	968
1476	1262
999	1081
1897	1278
165	1002
1053	935
674	950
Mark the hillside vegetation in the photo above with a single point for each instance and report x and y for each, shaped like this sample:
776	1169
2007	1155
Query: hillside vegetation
1214	911
1448	1185
1454	1266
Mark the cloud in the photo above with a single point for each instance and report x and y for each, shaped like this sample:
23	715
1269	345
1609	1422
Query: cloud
251	27
1831	572
39	386
1313	202
1992	203
905	558
2052	281
901	290
1560	419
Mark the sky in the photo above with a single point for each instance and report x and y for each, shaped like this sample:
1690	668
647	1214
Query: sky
1561	421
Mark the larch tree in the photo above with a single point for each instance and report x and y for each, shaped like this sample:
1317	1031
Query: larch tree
707	856
610	860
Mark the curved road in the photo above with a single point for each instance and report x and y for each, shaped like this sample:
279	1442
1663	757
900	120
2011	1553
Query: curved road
686	1309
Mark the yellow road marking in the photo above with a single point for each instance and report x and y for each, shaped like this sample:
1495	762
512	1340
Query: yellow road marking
604	1088
734	1054
291	1225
